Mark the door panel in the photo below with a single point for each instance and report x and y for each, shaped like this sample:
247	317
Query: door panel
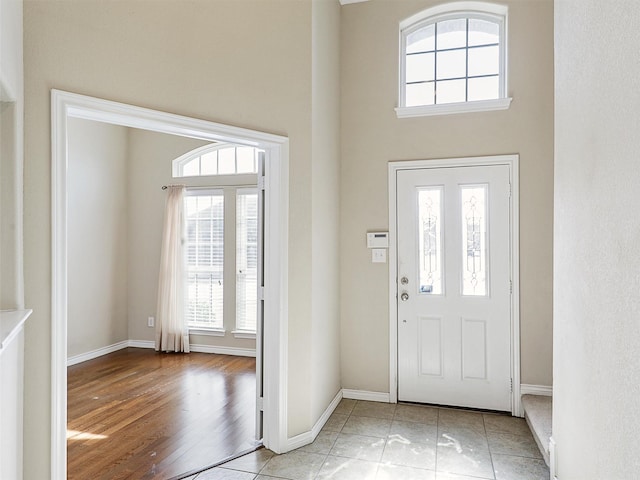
454	286
430	346
260	302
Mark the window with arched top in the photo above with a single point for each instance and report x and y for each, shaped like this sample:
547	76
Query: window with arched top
217	159
453	60
216	175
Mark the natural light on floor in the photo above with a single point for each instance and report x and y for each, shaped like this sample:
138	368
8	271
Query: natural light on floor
76	435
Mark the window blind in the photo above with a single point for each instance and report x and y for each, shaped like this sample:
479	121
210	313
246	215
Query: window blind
246	259
205	260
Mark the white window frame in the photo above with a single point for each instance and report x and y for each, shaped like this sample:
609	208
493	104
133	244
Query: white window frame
178	164
200	330
230	193
239	332
450	11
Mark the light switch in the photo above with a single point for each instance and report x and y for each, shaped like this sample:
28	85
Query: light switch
379	255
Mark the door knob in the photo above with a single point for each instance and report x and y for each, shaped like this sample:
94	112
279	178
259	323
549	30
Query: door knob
404	297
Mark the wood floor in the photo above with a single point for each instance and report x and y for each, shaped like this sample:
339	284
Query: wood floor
138	414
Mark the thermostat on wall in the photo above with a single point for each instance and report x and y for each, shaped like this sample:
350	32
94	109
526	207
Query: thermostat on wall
377	239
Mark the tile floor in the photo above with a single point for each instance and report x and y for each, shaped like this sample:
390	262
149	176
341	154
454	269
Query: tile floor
379	441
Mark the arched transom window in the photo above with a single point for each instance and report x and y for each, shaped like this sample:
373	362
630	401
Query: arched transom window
217	159
453	59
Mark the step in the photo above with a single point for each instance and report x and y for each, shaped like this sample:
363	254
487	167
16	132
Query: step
537	412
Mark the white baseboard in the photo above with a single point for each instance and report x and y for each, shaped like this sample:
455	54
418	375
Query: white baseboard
238	352
536	390
142	343
306	438
326	414
552	458
365	395
199	348
83	357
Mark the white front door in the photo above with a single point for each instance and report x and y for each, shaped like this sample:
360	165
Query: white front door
454	286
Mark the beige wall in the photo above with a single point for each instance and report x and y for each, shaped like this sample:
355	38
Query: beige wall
244	63
596	307
150	155
97	236
325	197
9	215
11	66
11	154
372	136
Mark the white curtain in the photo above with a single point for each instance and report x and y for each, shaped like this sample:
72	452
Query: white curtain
172	333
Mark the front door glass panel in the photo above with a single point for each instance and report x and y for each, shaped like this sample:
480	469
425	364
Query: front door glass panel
474	239
430	240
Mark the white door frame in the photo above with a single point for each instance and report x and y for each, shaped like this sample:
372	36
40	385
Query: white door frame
66	105
512	162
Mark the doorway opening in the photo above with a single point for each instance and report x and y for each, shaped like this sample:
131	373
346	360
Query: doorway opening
67	108
454	304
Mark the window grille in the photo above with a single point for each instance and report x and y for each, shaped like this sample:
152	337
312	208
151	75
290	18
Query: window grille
453	57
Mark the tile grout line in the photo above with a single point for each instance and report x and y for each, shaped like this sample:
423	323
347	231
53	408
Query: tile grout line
435	466
486	436
334	442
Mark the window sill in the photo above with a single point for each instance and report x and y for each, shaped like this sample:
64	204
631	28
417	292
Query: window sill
244	334
211	332
451	108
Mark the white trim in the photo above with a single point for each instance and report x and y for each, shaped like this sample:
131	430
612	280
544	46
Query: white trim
347	2
202	191
300	440
276	297
448	11
366	395
98	352
451	108
198	348
11	323
455	7
306	438
512	161
238	352
58	287
208	332
178	163
543	390
393	294
106	111
142	344
7	94
553	456
326	414
65	105
244	334
516	403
